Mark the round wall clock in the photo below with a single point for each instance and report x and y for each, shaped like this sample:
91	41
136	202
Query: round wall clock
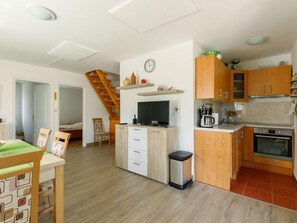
149	65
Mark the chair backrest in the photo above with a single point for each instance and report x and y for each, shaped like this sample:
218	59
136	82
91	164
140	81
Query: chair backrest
43	138
98	126
19	187
60	144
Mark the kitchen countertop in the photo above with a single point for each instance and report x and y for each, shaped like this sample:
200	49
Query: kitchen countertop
233	128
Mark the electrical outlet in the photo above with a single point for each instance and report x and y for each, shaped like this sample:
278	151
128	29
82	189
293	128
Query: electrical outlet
177	109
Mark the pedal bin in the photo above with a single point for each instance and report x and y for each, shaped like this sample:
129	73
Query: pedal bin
180	163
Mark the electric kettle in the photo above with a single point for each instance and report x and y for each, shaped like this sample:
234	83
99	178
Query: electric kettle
207	121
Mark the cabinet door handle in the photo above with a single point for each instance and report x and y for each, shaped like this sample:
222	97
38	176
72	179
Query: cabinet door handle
264	89
136	139
270	89
136	164
220	92
136	151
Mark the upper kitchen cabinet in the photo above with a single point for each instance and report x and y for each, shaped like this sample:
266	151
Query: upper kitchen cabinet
238	85
212	80
270	81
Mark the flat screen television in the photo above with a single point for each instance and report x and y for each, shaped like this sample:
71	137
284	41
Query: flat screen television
153	113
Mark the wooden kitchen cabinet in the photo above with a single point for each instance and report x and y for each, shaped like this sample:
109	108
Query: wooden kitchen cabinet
213	158
212	78
237	148
238	86
269	81
160	145
121	147
248	146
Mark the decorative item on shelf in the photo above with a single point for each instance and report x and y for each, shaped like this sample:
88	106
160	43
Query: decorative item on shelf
210	52
235	65
133	79
134	119
143	81
126	82
162	87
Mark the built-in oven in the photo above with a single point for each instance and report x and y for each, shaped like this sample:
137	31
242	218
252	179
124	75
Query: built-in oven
273	143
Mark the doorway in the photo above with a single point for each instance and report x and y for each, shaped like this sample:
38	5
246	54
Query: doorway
32	102
71	113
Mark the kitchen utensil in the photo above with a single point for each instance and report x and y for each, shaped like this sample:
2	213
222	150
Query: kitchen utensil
207	121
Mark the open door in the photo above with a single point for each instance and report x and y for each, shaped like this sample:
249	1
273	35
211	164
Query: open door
41	108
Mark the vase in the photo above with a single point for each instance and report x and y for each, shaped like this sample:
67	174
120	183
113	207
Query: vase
126	82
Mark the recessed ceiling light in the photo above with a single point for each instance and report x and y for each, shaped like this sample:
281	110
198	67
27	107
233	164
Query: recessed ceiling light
257	40
41	12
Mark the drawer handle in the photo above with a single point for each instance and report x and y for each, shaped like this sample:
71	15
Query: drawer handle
136	151
156	131
136	139
137	129
136	164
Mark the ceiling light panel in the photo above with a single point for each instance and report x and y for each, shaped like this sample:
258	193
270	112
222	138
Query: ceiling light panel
145	15
72	51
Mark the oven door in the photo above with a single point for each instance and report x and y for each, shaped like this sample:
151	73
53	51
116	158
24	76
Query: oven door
271	145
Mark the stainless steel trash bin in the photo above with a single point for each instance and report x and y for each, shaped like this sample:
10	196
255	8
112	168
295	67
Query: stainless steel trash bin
180	163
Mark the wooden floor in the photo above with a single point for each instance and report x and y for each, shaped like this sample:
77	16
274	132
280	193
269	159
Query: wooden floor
97	191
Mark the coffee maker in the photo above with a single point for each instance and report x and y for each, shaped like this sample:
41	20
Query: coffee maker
204	117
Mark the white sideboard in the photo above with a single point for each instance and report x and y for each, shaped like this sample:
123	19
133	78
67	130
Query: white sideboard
144	150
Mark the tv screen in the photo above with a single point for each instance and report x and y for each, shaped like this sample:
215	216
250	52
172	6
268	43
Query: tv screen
153	113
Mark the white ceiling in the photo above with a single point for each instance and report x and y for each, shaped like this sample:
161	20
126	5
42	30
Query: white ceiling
224	25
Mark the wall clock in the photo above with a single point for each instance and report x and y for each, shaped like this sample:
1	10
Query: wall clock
149	65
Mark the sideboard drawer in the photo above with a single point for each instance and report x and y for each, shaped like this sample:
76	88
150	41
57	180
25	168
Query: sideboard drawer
137	143
137	155
137	132
137	167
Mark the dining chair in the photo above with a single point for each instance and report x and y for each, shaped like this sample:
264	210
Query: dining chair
19	179
46	189
43	138
99	134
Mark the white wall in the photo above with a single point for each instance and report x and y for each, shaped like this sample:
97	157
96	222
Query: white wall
294	64
70	105
174	67
266	62
10	71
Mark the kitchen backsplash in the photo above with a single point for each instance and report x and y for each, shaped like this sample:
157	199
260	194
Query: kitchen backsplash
270	111
267	112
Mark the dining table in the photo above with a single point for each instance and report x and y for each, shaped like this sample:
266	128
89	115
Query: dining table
51	168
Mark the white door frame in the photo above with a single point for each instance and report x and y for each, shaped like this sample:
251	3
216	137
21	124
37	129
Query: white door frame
84	108
20	78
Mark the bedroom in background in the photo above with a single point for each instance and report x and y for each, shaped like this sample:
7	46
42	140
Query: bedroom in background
71	113
31	109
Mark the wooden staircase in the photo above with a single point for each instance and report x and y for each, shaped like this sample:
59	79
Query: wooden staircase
108	96
105	91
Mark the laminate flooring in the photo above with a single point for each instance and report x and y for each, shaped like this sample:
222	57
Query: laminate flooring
97	191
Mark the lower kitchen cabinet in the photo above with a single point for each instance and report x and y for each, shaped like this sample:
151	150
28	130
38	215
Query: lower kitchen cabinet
213	158
248	147
218	157
121	147
145	150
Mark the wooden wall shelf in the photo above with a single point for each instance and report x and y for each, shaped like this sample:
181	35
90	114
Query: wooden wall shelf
152	93
135	86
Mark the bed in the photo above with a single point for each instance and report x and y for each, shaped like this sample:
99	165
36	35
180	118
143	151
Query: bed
74	129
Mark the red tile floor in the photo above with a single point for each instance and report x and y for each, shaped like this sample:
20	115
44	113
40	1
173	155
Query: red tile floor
269	187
